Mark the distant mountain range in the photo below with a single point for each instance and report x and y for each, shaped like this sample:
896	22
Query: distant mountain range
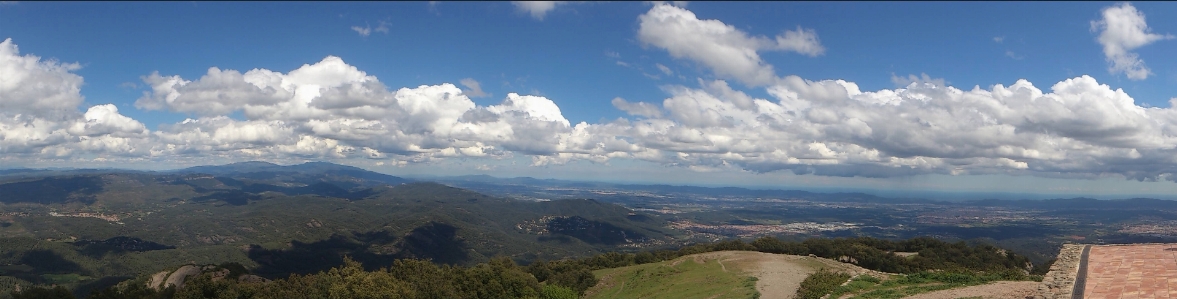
345	176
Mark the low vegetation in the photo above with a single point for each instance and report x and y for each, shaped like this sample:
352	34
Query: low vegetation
408	279
820	284
682	278
896	286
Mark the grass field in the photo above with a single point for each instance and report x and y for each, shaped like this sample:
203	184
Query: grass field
900	286
681	278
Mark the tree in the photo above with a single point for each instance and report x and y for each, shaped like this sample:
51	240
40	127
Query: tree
557	292
56	292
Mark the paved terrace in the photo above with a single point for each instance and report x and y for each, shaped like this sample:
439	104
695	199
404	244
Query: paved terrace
1132	271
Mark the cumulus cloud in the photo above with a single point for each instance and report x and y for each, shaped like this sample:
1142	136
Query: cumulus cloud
39	114
473	88
332	110
537	9
727	51
106	120
217	92
832	128
638	108
31	85
1121	30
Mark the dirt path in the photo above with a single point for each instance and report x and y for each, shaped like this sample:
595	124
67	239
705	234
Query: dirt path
996	290
778	275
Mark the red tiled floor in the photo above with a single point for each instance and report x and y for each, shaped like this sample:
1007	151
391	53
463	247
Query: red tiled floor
1134	271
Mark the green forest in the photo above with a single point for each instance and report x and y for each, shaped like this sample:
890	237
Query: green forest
569	278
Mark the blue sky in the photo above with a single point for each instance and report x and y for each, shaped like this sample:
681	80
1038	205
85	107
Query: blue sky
568	63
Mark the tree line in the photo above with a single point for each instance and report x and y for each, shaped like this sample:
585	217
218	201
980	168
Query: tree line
567	278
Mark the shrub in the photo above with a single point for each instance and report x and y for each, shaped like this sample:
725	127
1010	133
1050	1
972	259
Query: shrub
820	283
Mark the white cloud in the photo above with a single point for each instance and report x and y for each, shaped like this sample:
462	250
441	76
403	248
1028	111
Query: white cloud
1122	30
802	41
727	51
999	39
473	88
637	108
537	9
39	111
217	92
332	110
382	27
535	107
664	69
31	86
106	120
363	31
921	79
832	128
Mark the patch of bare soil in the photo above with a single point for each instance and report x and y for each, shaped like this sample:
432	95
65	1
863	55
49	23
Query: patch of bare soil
996	290
778	275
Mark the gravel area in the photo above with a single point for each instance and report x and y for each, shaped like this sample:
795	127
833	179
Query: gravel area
779	275
996	290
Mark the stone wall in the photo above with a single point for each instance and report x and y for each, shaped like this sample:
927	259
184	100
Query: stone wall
1060	281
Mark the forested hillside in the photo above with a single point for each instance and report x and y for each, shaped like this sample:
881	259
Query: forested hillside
86	230
567	278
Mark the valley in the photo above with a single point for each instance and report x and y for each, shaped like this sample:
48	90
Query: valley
89	229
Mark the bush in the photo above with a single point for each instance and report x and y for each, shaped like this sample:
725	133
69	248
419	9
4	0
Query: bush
868	278
43	293
557	292
820	284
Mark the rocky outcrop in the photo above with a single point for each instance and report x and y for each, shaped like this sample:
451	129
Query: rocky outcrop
1060	281
250	278
157	280
165	279
177	278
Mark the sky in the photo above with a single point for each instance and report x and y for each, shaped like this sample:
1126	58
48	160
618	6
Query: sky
1030	98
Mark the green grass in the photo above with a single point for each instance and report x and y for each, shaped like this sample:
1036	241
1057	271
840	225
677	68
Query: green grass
899	286
687	279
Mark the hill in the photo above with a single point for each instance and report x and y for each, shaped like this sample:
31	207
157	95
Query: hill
88	230
307	173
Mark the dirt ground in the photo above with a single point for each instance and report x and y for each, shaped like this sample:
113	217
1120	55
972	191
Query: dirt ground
996	290
778	275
